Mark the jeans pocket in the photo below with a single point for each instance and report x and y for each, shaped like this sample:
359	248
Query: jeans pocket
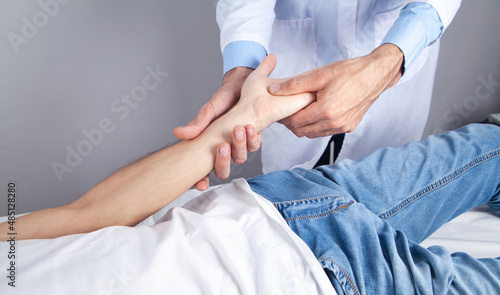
293	43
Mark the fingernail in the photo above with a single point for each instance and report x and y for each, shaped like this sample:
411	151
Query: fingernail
274	88
250	131
224	150
238	134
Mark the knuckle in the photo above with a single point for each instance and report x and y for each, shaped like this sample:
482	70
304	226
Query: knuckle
329	113
342	128
240	150
312	135
221	175
298	132
294	84
286	122
253	148
240	157
335	124
240	160
338	123
293	122
207	111
253	145
345	129
322	78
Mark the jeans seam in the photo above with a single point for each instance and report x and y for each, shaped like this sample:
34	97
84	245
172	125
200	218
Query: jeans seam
439	183
316	215
303	200
344	272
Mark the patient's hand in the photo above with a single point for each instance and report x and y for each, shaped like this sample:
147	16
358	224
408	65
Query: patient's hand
244	138
258	107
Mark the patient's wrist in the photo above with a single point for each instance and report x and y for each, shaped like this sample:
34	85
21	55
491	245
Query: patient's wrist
223	127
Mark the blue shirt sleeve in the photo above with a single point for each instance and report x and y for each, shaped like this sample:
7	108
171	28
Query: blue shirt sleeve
417	27
243	54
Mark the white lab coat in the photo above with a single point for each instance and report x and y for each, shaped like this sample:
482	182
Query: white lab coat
307	34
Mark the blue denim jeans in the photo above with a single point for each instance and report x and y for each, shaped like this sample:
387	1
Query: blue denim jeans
364	219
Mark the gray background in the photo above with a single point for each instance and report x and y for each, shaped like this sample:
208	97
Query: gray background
67	75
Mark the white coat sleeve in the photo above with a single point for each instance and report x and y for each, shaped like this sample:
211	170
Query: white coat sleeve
447	9
419	25
241	20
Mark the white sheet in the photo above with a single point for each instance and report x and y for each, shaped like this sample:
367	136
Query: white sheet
144	260
228	241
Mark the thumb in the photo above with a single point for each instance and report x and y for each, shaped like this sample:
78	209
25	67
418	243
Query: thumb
193	128
289	105
295	85
267	65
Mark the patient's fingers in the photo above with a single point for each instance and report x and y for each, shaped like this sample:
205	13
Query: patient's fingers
244	139
253	139
223	161
239	145
289	105
202	184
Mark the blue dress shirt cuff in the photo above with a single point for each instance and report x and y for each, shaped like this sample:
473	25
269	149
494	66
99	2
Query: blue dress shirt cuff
417	27
243	54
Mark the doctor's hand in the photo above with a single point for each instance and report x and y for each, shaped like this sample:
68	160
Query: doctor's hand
244	138
222	101
345	90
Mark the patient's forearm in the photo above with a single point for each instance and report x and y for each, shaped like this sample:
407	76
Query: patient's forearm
131	194
137	191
